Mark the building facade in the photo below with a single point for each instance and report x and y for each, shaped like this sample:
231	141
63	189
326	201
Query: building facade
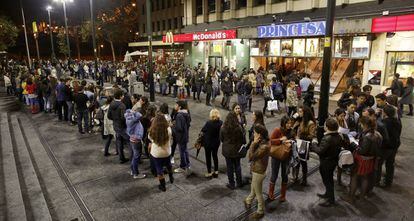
290	33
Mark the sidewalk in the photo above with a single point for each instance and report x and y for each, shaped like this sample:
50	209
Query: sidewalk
110	193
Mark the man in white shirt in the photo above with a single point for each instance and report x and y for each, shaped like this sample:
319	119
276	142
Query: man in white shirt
305	82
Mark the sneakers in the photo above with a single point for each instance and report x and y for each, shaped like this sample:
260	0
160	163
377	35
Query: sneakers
179	170
208	175
140	176
215	174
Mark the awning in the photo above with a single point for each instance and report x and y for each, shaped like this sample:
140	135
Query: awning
146	44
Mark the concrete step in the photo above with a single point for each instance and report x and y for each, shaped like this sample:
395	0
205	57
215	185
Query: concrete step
14	208
36	207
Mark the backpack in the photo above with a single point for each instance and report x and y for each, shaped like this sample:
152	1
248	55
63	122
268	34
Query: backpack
277	89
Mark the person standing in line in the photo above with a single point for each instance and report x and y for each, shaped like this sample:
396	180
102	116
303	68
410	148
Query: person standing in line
227	88
31	89
108	127
304	84
61	101
8	84
208	86
407	96
81	101
211	130
182	126
393	127
116	113
257	118
69	100
279	135
258	158
160	135
291	99
231	137
328	151
135	131
396	86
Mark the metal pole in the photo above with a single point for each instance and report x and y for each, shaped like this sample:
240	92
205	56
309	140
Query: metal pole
326	69
149	34
35	35
94	40
51	36
25	35
66	28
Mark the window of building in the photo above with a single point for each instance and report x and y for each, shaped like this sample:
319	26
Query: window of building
258	2
175	23
161	4
182	22
143	9
153	5
241	3
169	3
143	28
225	4
153	26
211	6
169	26
164	25
158	26
199	7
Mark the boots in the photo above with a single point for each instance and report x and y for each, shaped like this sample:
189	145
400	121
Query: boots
170	174
271	193
283	192
162	185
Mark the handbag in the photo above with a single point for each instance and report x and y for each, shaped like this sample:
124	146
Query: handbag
272	105
303	149
282	151
243	150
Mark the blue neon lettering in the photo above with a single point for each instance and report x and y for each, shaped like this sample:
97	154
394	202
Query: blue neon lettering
292	30
283	30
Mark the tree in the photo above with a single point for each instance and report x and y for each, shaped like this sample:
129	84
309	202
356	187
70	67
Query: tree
8	33
61	40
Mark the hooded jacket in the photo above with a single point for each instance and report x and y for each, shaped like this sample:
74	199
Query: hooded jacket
135	130
182	125
116	113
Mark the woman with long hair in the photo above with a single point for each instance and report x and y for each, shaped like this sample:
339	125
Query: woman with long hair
211	130
364	157
281	134
257	118
306	131
258	158
160	135
231	136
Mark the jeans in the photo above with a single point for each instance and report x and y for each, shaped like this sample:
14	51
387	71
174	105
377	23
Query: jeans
326	169
70	110
136	157
226	100
233	166
108	143
9	90
184	156
163	88
389	159
122	139
276	164
175	91
211	152
256	191
304	165
208	98
60	105
83	114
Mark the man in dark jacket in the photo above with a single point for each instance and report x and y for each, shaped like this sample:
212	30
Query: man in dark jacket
393	126
328	151
182	126
396	86
116	113
81	101
227	88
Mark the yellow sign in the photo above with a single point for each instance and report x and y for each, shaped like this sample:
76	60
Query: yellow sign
169	37
217	48
327	42
34	25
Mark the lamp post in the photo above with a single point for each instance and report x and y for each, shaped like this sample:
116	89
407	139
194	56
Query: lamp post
149	34
25	35
49	8
66	23
94	40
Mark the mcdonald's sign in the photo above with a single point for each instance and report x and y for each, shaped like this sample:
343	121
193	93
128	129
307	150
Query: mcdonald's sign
169	38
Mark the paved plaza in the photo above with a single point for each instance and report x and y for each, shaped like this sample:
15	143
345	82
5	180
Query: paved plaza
77	182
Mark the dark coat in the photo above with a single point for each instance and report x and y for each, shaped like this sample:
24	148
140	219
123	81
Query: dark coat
227	87
385	138
407	96
211	130
116	113
393	126
182	126
396	87
231	142
369	142
329	147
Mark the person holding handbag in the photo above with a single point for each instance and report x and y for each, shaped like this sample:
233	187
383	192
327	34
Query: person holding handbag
258	158
211	131
231	137
282	134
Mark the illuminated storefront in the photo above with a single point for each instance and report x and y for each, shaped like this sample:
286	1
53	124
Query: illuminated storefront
213	48
299	46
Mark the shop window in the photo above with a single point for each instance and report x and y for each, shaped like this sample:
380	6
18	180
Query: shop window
401	63
312	47
211	6
287	47
299	47
241	4
258	2
199	7
225	5
360	47
343	47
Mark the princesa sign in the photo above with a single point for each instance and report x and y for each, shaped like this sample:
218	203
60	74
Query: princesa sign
292	30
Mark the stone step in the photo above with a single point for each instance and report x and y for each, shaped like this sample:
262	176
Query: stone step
36	207
14	204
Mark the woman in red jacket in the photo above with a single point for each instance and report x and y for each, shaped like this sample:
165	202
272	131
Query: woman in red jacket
31	89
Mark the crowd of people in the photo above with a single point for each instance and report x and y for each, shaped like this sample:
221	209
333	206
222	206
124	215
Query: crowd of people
360	136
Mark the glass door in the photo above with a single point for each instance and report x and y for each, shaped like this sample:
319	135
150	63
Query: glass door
215	61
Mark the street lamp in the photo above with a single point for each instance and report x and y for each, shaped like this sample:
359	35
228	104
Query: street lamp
49	8
25	35
66	23
94	40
